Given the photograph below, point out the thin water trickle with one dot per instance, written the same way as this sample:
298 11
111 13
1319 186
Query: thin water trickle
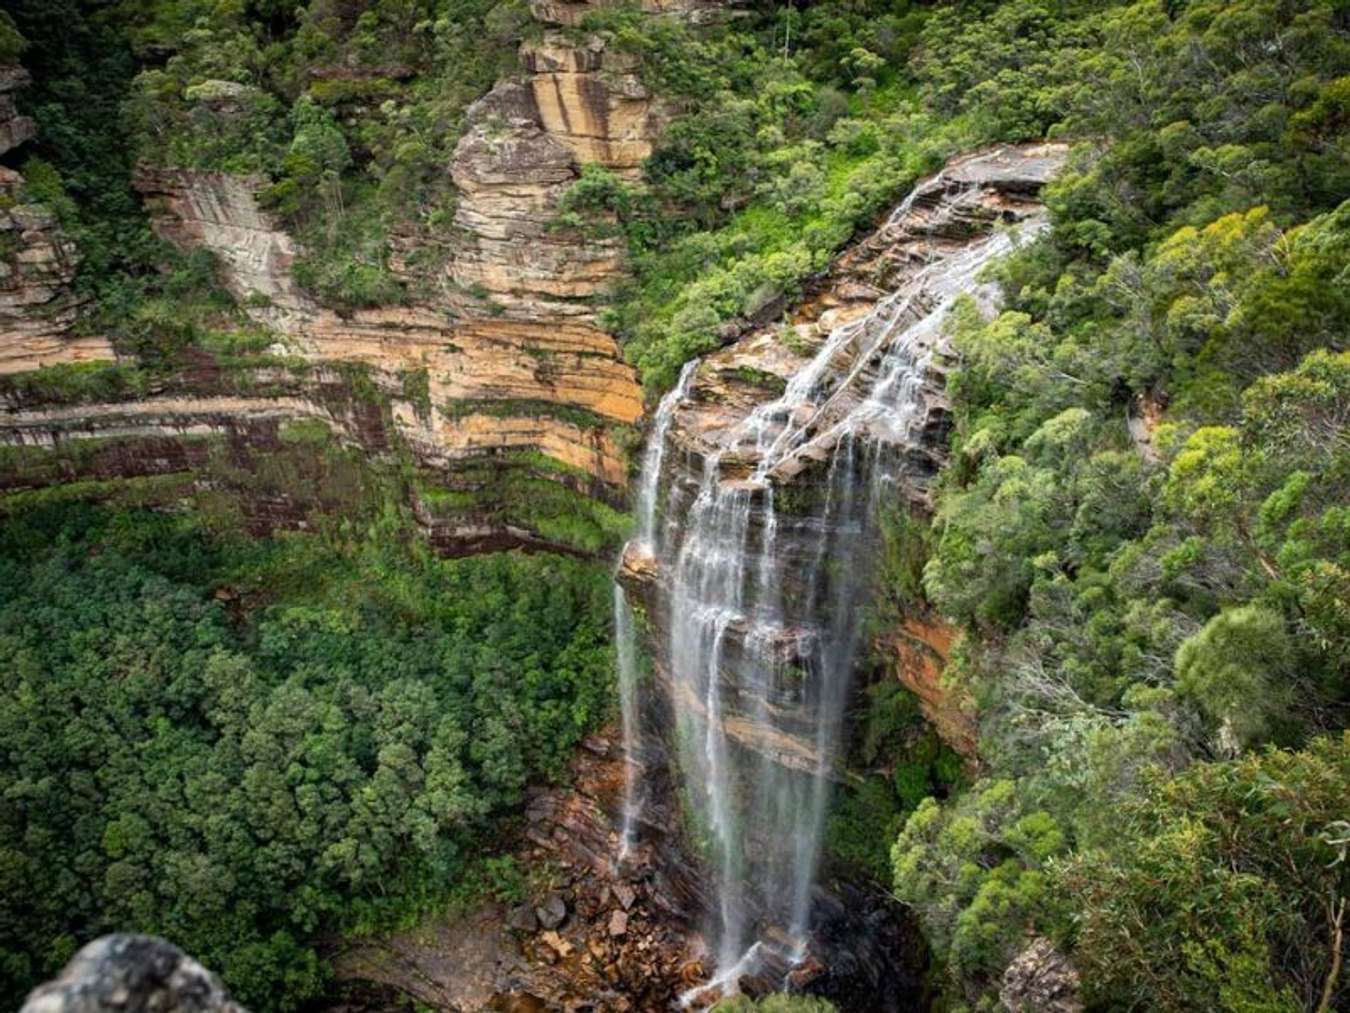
764 598
625 629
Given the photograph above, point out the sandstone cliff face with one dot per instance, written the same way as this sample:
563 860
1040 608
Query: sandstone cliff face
499 356
219 211
512 354
921 647
37 262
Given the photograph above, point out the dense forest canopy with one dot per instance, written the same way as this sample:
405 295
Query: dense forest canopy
245 746
1142 533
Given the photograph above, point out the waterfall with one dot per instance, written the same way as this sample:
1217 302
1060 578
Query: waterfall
765 566
625 629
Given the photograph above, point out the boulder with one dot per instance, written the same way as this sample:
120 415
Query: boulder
131 974
552 912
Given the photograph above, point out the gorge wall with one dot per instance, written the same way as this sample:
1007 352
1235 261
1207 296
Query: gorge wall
38 307
495 365
493 379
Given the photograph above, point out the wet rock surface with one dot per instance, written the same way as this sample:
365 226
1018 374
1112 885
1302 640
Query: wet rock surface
132 974
899 268
781 453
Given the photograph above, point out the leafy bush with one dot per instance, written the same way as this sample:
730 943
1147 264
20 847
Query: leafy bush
1222 888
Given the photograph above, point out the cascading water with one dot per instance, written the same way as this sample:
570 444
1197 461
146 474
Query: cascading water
625 629
763 594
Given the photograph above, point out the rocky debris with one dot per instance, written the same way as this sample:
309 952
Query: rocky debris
1040 979
14 129
628 936
131 974
523 919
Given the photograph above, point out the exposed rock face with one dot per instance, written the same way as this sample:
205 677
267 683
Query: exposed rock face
14 129
945 216
591 100
513 357
132 974
922 646
37 262
219 211
1040 980
37 265
505 349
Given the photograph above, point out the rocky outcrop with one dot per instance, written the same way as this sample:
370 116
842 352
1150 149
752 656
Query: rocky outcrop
590 98
219 211
38 307
512 355
1040 979
14 128
132 974
921 646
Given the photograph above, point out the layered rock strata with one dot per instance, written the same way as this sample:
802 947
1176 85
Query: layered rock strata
500 357
513 356
38 307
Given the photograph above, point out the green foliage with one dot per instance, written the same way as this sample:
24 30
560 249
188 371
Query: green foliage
1221 887
80 167
775 1004
12 42
795 129
1142 529
274 93
1237 670
534 493
864 818
977 872
327 752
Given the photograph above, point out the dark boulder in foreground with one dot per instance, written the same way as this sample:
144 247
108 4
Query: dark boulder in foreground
131 974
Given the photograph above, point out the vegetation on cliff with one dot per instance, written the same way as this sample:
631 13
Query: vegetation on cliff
1143 527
